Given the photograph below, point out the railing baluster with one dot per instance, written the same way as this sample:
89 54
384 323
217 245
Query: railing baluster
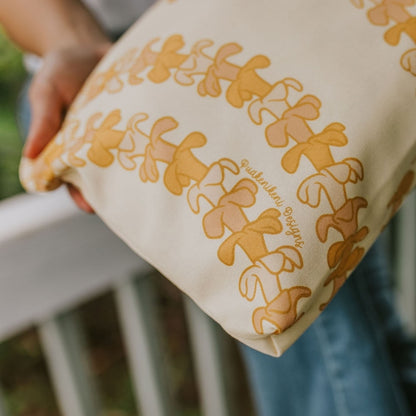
64 346
135 301
204 335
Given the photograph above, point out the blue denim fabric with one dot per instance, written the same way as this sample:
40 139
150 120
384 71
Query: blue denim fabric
344 364
23 110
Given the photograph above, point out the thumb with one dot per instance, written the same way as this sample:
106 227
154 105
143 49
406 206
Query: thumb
47 108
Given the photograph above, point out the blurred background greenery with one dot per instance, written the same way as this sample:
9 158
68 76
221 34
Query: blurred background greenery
12 75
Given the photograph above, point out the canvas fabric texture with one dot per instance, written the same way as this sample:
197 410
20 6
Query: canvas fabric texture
250 151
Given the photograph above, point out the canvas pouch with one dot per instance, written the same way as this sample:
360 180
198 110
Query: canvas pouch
251 151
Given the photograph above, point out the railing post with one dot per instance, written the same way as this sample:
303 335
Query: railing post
204 335
135 300
64 347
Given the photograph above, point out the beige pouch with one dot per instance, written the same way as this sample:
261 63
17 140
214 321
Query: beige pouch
251 151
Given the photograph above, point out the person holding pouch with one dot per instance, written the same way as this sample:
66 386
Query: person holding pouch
354 360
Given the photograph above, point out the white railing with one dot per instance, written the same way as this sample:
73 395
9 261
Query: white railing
52 257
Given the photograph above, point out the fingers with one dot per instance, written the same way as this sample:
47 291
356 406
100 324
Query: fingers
54 88
79 199
104 48
47 114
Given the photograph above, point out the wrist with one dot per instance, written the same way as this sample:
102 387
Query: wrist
59 24
97 48
68 25
72 39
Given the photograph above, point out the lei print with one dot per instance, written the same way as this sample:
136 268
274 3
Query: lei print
396 15
147 152
402 191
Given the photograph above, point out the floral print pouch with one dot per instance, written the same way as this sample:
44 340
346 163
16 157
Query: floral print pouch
252 151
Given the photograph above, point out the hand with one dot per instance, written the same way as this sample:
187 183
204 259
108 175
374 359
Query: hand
52 91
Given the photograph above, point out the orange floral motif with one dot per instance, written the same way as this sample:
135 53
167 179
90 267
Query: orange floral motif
265 272
146 59
344 257
109 80
211 186
133 143
275 102
167 59
72 146
229 213
393 35
358 3
220 69
197 63
281 312
103 138
250 238
316 149
293 123
408 61
331 181
396 11
248 83
184 165
158 149
345 220
386 11
403 189
66 144
47 164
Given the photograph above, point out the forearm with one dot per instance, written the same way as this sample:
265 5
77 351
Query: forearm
42 26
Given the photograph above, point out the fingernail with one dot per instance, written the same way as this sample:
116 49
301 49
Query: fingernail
29 150
26 150
86 207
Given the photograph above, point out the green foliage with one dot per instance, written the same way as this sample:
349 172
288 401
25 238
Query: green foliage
11 68
11 77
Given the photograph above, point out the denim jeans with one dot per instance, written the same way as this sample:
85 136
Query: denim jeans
354 360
